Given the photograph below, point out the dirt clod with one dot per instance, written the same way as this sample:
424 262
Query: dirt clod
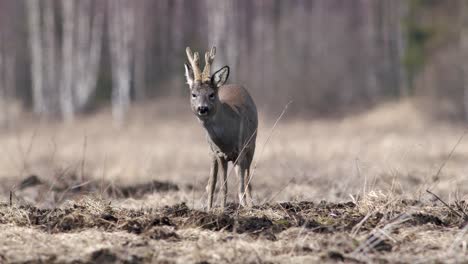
30 181
164 233
335 255
140 190
421 219
66 185
215 222
253 224
103 256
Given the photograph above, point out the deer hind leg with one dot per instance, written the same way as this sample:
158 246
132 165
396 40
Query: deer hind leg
240 171
248 177
248 188
223 163
210 188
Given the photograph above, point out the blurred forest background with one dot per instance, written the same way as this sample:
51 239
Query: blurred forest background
62 59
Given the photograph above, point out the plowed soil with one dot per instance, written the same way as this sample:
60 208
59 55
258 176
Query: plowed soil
90 229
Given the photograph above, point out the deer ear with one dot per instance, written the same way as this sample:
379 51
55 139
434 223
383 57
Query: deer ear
220 77
189 74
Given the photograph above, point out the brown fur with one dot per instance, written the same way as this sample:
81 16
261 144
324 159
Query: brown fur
229 116
237 121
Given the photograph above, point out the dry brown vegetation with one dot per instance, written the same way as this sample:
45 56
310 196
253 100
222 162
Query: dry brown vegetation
351 189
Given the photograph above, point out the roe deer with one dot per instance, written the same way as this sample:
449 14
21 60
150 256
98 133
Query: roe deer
229 116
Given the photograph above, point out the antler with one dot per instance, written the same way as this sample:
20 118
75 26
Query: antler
194 59
209 57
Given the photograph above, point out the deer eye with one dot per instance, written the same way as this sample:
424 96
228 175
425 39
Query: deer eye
194 95
212 96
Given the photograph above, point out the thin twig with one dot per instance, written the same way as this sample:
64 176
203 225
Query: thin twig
264 145
79 185
64 193
25 155
436 176
442 201
461 209
83 157
459 237
103 175
358 171
281 190
237 159
375 238
356 228
371 242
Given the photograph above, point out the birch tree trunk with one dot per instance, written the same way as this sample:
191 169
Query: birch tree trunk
3 116
464 52
401 10
268 47
7 81
81 49
63 80
140 50
218 31
232 37
49 61
36 55
88 52
370 41
121 28
66 87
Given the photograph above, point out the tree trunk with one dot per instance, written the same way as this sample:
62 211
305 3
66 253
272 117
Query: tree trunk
7 80
402 11
35 43
49 60
218 32
88 52
66 87
3 116
81 50
464 52
140 50
121 28
371 50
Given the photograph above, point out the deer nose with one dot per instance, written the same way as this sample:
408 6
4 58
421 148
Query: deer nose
203 110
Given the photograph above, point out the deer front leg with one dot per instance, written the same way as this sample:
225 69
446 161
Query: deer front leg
223 166
210 188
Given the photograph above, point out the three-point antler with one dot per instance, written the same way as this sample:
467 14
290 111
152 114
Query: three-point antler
209 57
194 60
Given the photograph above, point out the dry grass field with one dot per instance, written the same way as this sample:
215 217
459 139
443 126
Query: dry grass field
328 190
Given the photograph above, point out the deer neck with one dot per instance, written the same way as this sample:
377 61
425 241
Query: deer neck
215 126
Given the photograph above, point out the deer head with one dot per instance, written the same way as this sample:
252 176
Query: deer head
204 86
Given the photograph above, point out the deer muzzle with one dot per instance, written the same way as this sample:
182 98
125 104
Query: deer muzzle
203 110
